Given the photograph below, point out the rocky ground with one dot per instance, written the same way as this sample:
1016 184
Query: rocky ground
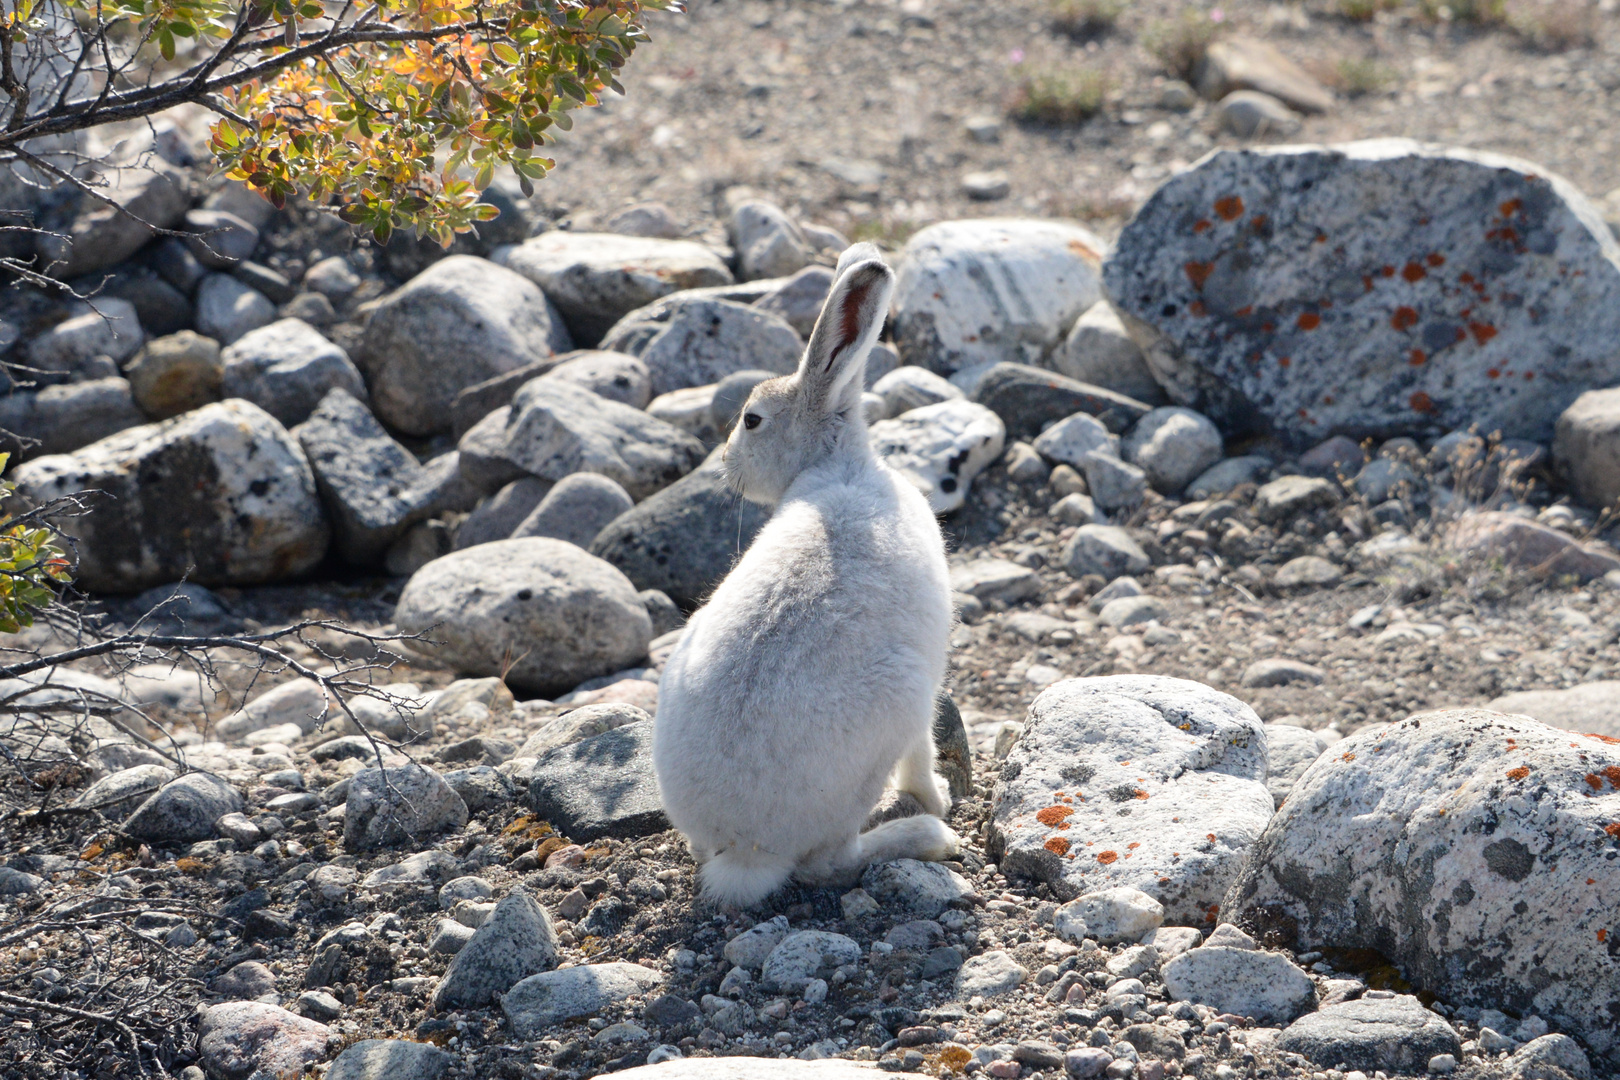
396 815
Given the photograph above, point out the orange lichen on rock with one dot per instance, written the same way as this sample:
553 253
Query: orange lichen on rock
1230 208
1052 815
1404 318
1057 845
1309 320
1520 773
1198 273
1139 793
1107 857
1613 830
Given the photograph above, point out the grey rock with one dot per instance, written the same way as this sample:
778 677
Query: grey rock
767 242
18 882
986 186
1099 351
218 238
175 374
332 277
1588 707
1068 441
297 701
222 495
1107 550
996 579
481 788
1550 1057
1383 479
385 806
540 1003
1267 986
391 1059
461 321
600 786
696 341
991 974
227 308
1307 571
972 293
1128 611
318 1005
652 219
688 410
1173 446
1202 351
111 328
424 870
1280 671
499 516
516 942
941 448
805 955
122 791
919 889
372 487
1245 63
104 231
595 279
907 388
1114 484
750 948
1075 509
1333 458
578 508
1228 475
1289 497
579 724
615 376
565 615
287 368
665 615
799 300
1249 114
241 1039
1289 752
477 401
1528 545
184 810
1396 1035
1113 916
553 429
241 200
953 756
450 937
249 980
1536 853
64 418
1586 446
1028 399
1196 768
683 540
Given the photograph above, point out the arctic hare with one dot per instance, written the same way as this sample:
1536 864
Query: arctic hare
810 676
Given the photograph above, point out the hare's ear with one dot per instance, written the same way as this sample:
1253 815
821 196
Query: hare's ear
849 324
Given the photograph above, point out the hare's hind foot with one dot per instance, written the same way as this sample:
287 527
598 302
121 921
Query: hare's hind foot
914 775
729 880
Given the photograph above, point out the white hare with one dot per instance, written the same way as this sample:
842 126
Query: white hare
810 676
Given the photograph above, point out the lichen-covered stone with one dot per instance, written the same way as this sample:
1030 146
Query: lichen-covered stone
1136 780
1375 288
1476 850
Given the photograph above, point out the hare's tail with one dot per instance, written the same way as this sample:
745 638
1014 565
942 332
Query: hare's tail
728 878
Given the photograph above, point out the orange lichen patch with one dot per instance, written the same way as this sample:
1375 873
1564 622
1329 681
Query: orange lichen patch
1060 794
1421 402
1413 272
1511 207
1591 881
1210 837
1529 375
1309 320
1610 739
1284 361
1229 208
955 1058
1594 781
1347 756
1613 773
1133 845
1268 327
1084 251
1417 358
545 848
1434 258
1520 773
1139 793
1203 225
1257 222
1123 764
1482 332
187 865
1493 373
1246 309
1198 273
1052 815
1197 308
1612 830
1603 935
1404 318
92 852
1107 857
1388 271
1057 845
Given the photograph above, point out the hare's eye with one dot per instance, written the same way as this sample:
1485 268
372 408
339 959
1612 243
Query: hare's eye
751 420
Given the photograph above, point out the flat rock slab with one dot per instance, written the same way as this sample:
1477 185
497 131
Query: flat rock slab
1473 849
1376 288
239 1038
1136 780
1395 1034
601 786
1245 982
539 1003
941 448
391 1059
1591 707
184 810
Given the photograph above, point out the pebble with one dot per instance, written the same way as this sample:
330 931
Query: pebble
992 974
391 1059
918 889
537 1004
804 955
1266 986
517 941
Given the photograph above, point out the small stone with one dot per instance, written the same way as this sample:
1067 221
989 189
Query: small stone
228 309
805 955
1073 509
1172 446
921 890
517 941
385 806
996 580
1114 484
750 948
535 1006
1228 936
576 509
1111 915
1266 986
991 975
319 1005
1395 1034
391 1059
184 810
239 1039
1279 671
1249 114
1130 611
1107 550
175 374
1290 497
986 186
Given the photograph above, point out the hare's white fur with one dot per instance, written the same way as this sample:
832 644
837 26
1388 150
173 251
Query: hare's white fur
809 678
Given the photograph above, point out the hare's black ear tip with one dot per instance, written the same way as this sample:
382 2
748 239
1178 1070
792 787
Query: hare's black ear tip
859 255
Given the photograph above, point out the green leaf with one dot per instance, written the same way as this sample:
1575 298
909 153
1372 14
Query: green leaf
505 52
